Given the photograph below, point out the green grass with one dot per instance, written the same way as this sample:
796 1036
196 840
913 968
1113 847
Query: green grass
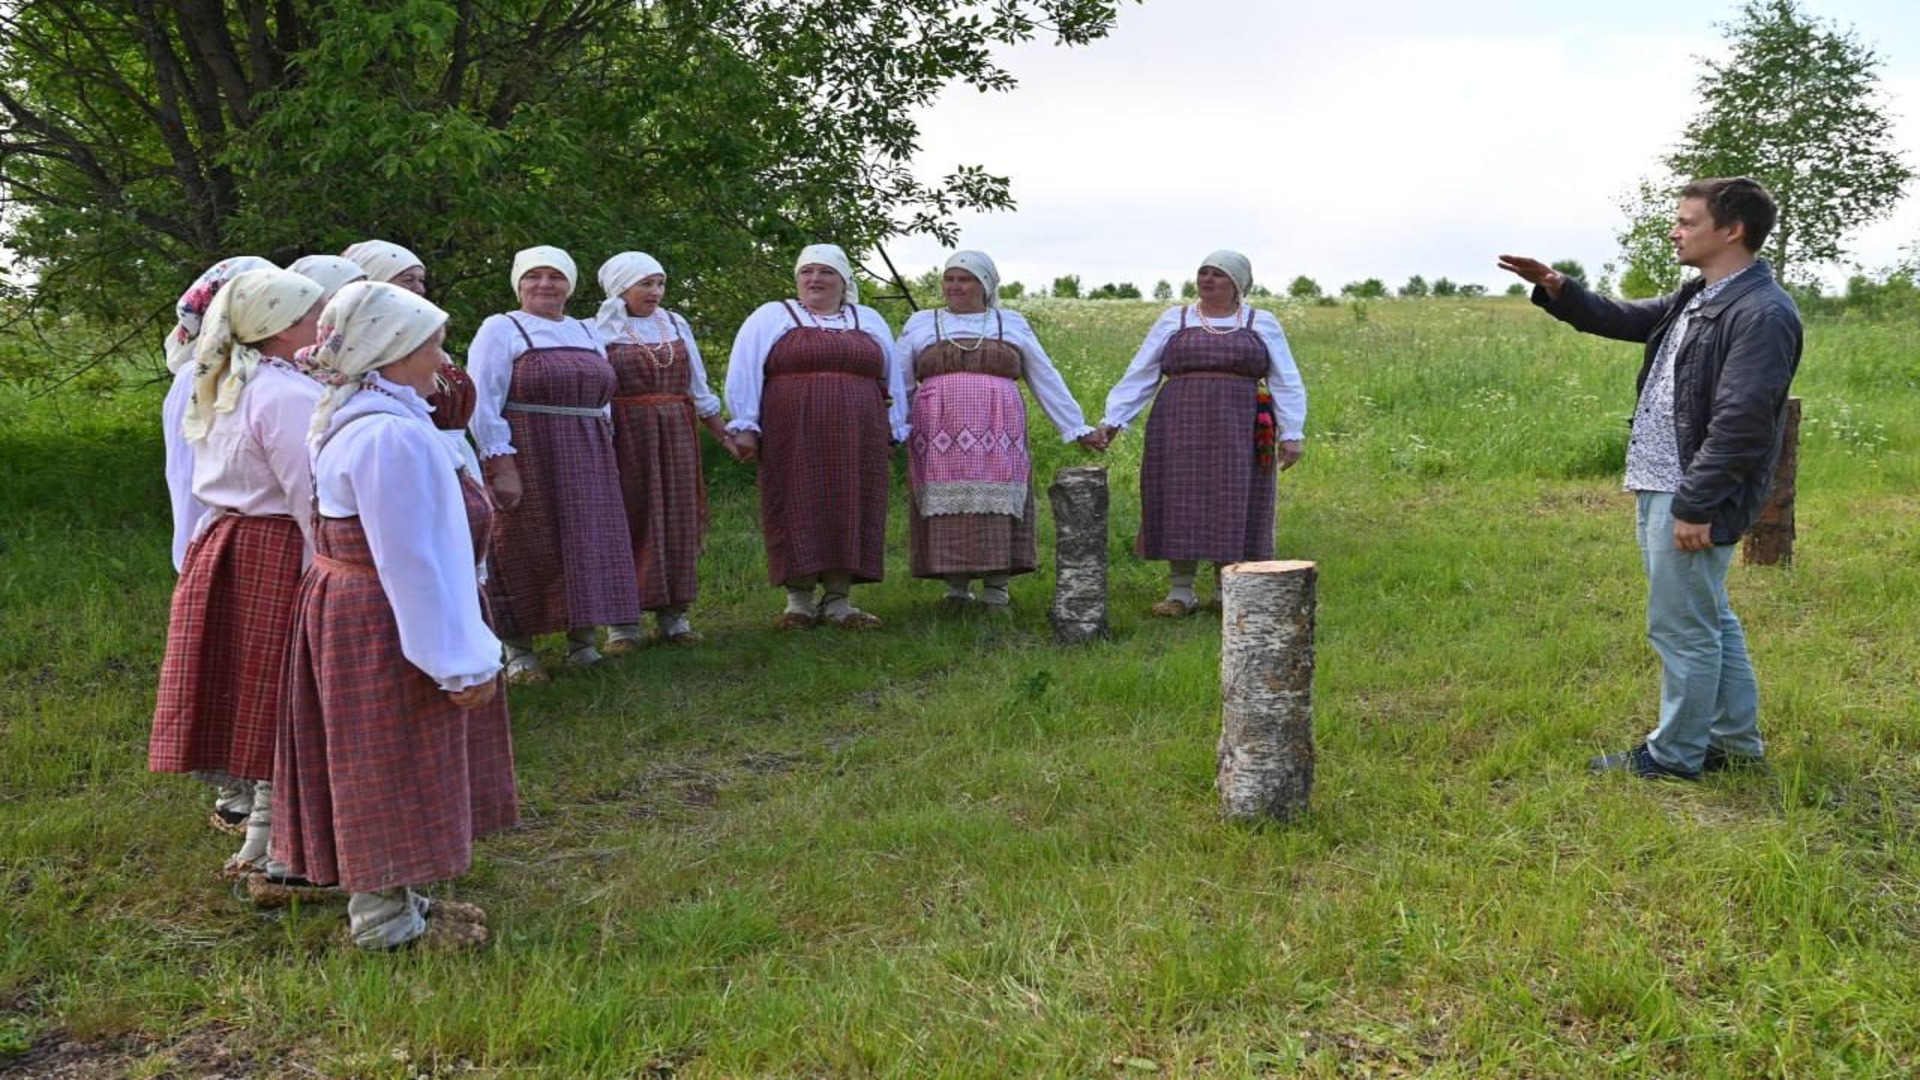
953 849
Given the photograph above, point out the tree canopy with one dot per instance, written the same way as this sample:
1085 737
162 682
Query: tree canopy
141 140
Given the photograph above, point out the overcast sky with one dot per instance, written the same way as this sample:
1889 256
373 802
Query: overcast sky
1353 140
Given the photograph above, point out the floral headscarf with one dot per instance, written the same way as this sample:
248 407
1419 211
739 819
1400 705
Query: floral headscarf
366 326
251 307
193 304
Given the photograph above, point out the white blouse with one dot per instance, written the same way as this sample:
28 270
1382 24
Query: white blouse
490 366
1142 379
647 332
187 510
254 459
1049 389
393 471
747 369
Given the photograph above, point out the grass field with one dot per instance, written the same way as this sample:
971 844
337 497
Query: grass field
952 849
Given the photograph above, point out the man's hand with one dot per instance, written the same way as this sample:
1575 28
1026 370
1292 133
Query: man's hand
474 696
1690 537
503 479
1289 455
1534 272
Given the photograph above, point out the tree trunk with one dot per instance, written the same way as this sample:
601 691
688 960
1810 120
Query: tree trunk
1770 541
1079 498
1266 689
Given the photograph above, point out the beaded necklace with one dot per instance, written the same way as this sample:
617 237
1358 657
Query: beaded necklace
1233 322
661 355
819 321
979 337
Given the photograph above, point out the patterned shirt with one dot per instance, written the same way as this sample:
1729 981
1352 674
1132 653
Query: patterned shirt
1653 451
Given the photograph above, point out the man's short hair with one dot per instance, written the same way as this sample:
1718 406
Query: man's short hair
1737 198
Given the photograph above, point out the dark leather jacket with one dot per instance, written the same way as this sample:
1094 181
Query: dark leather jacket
1730 381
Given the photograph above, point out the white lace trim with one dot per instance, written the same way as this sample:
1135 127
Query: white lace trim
976 497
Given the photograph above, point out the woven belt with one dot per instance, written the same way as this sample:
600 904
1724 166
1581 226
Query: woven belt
551 410
337 566
653 399
824 375
1214 375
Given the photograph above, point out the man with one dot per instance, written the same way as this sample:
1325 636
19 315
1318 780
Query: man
1720 355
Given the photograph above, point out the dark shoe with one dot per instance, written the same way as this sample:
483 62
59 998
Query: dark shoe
1718 760
1638 761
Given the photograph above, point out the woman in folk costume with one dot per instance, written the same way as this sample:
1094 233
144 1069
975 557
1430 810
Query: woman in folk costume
1208 470
222 678
562 559
453 396
188 312
968 461
815 397
394 750
661 402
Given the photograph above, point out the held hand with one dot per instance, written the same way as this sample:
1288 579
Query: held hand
1690 537
1289 454
474 696
1093 441
503 479
746 446
1534 272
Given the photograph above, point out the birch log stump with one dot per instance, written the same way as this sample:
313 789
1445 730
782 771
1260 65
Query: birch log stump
1079 498
1266 689
1770 541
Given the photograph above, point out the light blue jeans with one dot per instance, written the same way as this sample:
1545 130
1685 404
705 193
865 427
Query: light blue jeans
1708 695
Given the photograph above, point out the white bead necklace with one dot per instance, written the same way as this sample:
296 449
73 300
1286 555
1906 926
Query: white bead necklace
661 355
1233 322
979 334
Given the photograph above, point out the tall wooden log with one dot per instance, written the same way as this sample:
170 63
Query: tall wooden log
1079 498
1770 541
1266 689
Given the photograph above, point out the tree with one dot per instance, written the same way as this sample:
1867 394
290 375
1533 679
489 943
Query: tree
1646 248
1371 289
1573 269
1445 287
1067 287
1516 289
1257 291
1415 288
1163 290
1304 288
1471 290
1189 290
1797 106
1126 290
142 139
1012 290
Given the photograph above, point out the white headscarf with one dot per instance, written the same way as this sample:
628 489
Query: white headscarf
251 308
193 304
617 275
367 326
383 261
1234 265
830 255
981 267
330 272
533 258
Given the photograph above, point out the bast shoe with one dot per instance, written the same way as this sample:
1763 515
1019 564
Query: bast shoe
1173 609
231 822
1639 762
1718 760
270 891
526 671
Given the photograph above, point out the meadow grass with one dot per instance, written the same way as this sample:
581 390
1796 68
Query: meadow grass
953 849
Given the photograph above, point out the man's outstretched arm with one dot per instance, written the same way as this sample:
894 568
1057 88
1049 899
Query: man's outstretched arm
1567 300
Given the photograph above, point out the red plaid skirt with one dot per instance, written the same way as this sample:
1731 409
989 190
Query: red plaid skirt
823 455
973 544
1203 493
224 673
563 557
380 781
657 440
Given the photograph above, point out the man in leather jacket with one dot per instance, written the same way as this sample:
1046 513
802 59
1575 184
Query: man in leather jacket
1720 355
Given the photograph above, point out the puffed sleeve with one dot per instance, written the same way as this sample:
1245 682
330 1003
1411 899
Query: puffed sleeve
1049 389
747 366
410 505
490 366
917 334
874 324
280 420
1137 386
1283 378
705 402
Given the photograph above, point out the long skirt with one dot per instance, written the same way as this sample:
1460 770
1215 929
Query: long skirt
1203 494
823 476
661 486
381 781
224 672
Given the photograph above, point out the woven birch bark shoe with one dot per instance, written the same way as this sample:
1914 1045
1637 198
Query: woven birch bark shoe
526 671
1173 609
267 891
